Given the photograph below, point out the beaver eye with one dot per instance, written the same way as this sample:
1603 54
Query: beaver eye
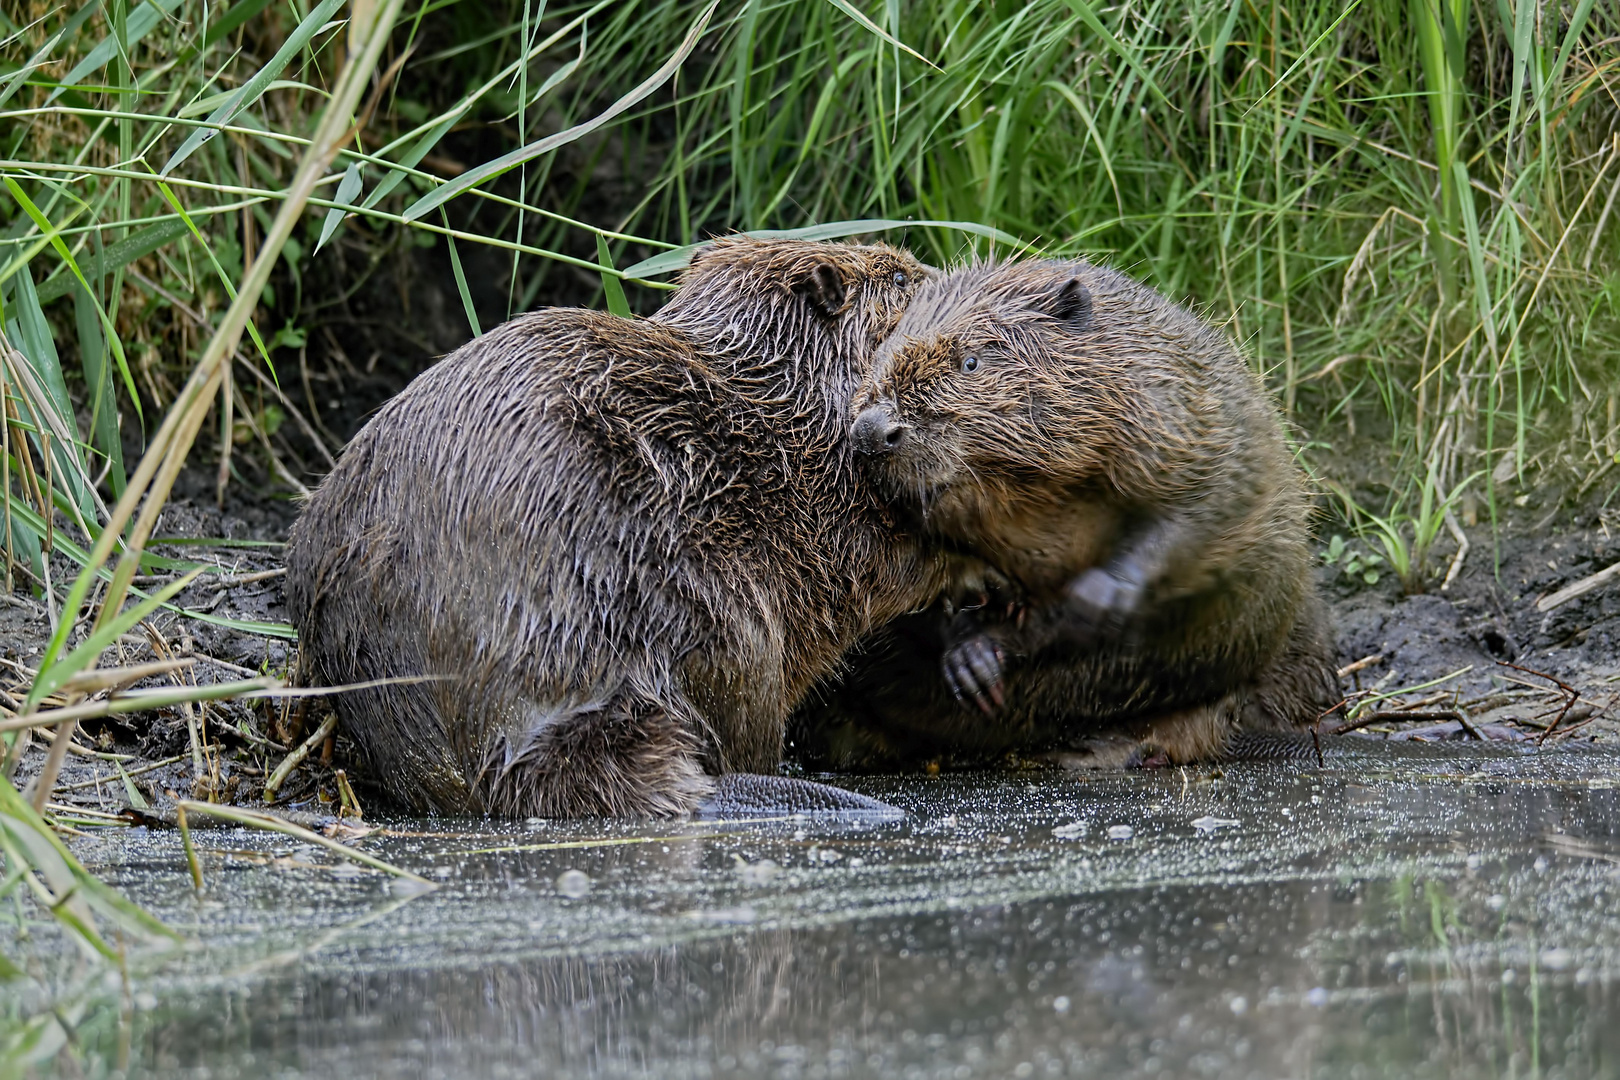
900 279
970 364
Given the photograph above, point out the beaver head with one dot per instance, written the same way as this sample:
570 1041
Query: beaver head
794 304
989 389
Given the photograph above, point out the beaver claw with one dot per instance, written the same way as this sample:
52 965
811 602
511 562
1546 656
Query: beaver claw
741 795
1101 602
973 670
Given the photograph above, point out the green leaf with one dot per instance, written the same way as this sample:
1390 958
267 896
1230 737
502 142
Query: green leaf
347 189
219 271
1370 577
461 282
131 792
612 287
9 84
136 245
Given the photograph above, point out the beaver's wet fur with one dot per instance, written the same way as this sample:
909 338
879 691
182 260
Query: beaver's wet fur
614 552
1116 459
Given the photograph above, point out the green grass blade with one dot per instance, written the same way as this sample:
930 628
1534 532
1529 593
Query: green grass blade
136 245
507 162
667 262
250 91
1089 17
461 282
53 672
612 288
141 22
871 27
113 337
348 188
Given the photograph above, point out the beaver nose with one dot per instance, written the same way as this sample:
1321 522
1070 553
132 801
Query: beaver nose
876 431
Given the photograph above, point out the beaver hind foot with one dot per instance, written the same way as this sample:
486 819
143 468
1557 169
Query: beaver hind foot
631 758
625 757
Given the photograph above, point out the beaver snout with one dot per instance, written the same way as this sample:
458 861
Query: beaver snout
876 431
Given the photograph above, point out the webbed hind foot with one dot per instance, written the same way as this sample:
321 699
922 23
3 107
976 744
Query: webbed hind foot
741 795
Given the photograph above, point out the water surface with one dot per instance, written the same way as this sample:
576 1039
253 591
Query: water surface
1443 913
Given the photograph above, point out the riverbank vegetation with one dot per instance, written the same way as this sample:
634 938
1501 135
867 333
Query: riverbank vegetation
226 228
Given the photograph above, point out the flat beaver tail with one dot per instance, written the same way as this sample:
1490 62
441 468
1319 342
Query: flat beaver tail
628 757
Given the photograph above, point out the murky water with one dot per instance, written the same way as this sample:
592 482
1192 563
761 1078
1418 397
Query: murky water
1449 913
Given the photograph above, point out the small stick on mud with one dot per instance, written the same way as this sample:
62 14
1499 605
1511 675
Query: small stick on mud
1462 551
1573 693
296 758
1350 669
1570 592
98 679
257 820
1397 716
82 784
1316 740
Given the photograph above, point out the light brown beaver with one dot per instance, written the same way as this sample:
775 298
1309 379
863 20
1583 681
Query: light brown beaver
1114 457
621 550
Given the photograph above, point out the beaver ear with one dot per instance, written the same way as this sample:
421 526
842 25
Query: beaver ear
1070 304
824 287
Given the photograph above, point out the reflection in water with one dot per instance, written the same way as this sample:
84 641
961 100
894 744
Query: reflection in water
1292 979
1439 921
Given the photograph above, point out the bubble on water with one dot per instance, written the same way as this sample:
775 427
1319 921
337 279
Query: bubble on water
1474 862
740 915
1120 832
1070 831
410 887
1060 1004
1496 901
1240 1005
573 884
1317 996
757 873
1556 959
1209 823
1509 977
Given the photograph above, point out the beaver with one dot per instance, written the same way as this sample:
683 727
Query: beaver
1114 458
601 558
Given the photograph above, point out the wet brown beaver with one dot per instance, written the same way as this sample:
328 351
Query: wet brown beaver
1114 457
620 550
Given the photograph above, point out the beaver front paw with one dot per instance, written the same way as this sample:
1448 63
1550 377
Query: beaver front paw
972 669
